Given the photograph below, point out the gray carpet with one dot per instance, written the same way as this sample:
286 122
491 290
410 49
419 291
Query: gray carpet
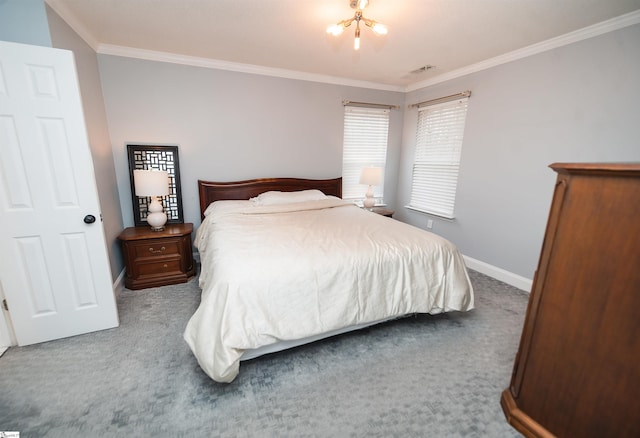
423 376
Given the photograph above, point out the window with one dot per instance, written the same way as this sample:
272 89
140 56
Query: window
437 157
366 132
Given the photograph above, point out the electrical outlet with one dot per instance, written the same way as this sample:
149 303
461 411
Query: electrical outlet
430 223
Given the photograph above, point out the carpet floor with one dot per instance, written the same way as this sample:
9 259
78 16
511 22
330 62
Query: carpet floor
421 376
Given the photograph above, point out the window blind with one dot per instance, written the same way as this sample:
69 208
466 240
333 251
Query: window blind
437 157
366 132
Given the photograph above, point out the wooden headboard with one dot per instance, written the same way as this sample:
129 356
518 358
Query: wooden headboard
210 191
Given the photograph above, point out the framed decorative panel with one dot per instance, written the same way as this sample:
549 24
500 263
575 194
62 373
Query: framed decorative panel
156 157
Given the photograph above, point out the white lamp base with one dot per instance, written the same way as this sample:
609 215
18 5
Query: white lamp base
369 201
156 217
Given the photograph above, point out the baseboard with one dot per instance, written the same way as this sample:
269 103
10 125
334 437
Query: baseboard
510 278
118 285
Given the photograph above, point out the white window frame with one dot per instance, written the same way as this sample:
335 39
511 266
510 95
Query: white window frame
438 151
365 141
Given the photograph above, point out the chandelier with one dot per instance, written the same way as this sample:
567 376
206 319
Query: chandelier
358 5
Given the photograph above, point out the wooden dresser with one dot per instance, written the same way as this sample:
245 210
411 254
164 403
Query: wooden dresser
157 258
577 370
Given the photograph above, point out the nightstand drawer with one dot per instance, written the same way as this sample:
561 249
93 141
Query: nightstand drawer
158 248
164 267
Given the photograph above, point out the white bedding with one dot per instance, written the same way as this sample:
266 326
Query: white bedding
291 271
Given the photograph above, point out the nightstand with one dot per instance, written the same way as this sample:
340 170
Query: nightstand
383 211
157 258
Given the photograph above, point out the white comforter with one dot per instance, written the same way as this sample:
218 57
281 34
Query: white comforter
287 272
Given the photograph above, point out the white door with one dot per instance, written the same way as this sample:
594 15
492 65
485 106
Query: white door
54 270
5 330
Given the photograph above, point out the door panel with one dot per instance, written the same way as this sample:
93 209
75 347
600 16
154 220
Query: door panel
54 267
32 268
58 163
78 255
13 171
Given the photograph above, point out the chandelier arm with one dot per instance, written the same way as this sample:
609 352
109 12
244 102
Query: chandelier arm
346 23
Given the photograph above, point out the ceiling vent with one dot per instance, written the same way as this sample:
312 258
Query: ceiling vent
422 69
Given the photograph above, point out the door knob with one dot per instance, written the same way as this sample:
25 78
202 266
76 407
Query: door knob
89 219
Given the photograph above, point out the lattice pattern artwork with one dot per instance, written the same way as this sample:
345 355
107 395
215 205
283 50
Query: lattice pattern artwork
156 158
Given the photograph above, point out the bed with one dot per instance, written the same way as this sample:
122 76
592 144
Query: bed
285 261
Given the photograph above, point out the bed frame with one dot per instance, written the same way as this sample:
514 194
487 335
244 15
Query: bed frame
210 191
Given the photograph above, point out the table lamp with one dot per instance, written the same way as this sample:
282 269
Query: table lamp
372 176
154 184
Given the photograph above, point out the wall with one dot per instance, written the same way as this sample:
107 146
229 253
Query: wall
231 126
576 103
63 37
32 22
24 21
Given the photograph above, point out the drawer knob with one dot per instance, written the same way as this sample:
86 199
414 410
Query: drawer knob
164 266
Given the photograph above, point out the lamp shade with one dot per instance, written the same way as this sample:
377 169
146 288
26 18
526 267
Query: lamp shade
151 182
371 176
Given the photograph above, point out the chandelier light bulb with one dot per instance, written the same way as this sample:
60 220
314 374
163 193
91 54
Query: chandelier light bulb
380 29
335 29
356 42
358 5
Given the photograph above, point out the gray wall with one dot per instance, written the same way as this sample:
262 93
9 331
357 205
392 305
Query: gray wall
232 126
24 21
576 103
63 37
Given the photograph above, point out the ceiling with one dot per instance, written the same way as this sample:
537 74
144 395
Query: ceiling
289 35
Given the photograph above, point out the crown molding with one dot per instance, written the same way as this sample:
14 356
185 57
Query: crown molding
597 29
151 55
107 49
572 37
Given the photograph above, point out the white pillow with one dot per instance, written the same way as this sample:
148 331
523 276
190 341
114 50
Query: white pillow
226 205
275 198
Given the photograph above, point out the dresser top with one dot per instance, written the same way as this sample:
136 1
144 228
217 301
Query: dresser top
610 168
142 233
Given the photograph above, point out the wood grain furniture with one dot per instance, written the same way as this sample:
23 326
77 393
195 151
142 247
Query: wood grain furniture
280 274
210 191
577 370
157 258
383 211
